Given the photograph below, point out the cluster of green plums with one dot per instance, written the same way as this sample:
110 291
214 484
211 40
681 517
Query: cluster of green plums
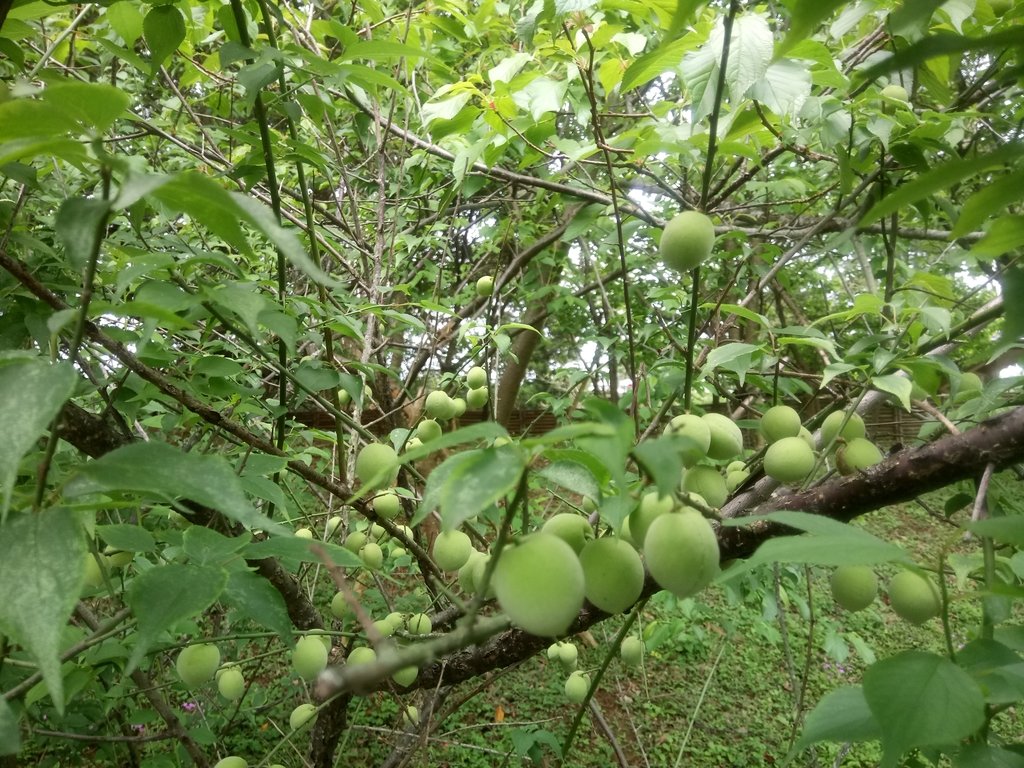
913 596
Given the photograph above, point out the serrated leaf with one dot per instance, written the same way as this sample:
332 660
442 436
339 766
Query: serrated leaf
126 19
1006 530
164 30
293 549
79 227
484 430
10 734
921 700
32 393
998 669
940 178
93 106
992 198
664 58
164 472
205 546
842 715
468 483
127 538
166 594
805 18
939 44
42 559
662 457
784 88
573 476
254 598
1004 235
898 386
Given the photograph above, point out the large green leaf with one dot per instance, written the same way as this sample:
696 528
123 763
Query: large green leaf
10 735
42 568
161 471
167 594
468 483
940 178
662 59
32 392
920 699
164 30
79 225
842 715
254 598
805 16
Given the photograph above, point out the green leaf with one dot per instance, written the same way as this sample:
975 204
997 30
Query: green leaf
1012 281
162 471
205 546
898 386
573 476
992 198
468 483
32 393
126 20
485 430
939 44
1005 530
938 179
10 734
127 538
998 669
842 715
804 20
662 458
167 594
42 569
79 226
651 65
254 598
1004 235
987 756
920 699
164 30
93 106
736 357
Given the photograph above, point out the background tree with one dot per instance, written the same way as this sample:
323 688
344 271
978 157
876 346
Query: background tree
242 241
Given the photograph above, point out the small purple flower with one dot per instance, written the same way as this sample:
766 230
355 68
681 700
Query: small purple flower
189 706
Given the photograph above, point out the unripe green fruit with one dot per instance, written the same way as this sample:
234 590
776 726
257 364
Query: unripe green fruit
377 532
419 624
396 619
410 716
355 541
858 454
735 479
304 533
196 664
467 572
340 608
476 377
708 482
384 628
553 650
405 676
372 556
788 460
571 528
333 525
479 570
309 657
626 534
117 558
344 398
568 655
969 387
458 407
428 430
651 507
613 574
397 552
361 655
805 435
726 437
854 587
694 428
588 504
231 761
631 651
438 405
412 443
485 286
778 422
539 584
387 505
687 240
830 428
377 465
894 92
452 550
301 715
477 398
93 571
682 552
914 597
576 687
231 683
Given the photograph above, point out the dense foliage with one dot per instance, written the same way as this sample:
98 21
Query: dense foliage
241 241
